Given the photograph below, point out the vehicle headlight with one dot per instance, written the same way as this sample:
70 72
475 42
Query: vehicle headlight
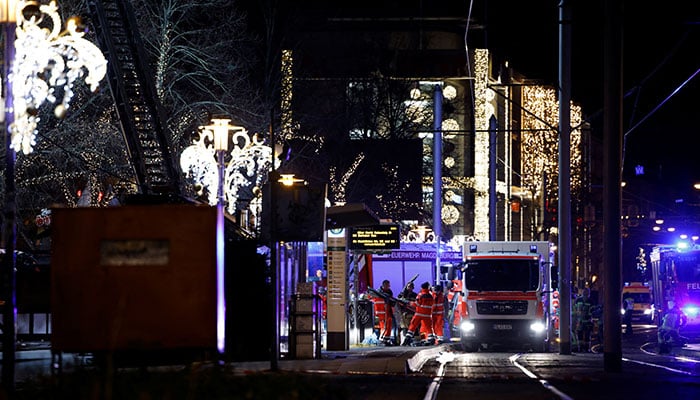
690 310
538 327
466 326
622 311
647 311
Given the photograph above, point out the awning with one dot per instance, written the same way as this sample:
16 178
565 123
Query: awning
353 214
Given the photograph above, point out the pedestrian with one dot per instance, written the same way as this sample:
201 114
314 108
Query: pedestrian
408 294
423 316
669 331
383 310
438 314
583 321
628 307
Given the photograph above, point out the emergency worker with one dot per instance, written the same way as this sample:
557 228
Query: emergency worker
438 314
669 331
583 320
456 307
628 306
383 310
407 311
422 317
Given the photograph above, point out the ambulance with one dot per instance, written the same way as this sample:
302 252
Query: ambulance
641 294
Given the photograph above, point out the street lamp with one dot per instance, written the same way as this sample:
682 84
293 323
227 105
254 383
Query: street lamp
220 128
249 162
205 162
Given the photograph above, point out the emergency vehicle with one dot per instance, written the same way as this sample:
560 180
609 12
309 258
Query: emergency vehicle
506 292
676 277
641 295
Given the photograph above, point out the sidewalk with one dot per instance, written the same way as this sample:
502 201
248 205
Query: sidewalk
394 360
367 359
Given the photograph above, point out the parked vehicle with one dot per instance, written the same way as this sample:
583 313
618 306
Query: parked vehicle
641 294
506 291
676 278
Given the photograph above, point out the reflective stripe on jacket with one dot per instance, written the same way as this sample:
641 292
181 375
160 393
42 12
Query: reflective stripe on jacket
439 304
424 303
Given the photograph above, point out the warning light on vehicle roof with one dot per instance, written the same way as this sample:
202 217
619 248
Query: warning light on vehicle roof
533 248
682 245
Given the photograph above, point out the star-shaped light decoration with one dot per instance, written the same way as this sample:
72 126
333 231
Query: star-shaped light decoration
47 63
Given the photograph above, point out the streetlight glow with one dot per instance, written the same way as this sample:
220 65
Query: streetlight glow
288 179
220 128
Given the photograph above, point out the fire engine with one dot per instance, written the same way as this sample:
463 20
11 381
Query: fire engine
676 277
506 293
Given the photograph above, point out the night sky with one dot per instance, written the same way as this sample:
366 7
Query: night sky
661 55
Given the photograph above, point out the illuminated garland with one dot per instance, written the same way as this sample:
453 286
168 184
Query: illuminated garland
540 142
47 64
339 186
250 161
482 113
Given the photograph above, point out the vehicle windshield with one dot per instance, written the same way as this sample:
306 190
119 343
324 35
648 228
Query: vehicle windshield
502 275
638 297
688 267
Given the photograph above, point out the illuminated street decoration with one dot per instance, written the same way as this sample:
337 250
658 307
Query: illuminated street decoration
483 110
340 184
540 142
288 127
449 127
47 63
249 162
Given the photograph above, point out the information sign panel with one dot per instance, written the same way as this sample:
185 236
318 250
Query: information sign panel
375 237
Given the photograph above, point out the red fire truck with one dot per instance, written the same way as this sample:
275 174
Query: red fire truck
505 296
676 277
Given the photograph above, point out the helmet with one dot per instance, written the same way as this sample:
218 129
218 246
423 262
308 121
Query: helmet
437 288
425 285
671 304
410 285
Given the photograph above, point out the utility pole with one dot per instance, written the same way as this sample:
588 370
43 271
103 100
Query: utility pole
564 208
612 197
437 176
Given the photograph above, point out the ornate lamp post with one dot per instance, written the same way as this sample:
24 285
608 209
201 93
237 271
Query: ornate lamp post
220 128
249 162
40 62
205 162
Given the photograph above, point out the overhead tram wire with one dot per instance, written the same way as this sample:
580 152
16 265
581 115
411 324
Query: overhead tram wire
654 110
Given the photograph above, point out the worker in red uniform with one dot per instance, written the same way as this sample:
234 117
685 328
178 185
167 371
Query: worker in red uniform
422 317
383 310
438 314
